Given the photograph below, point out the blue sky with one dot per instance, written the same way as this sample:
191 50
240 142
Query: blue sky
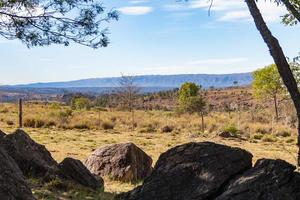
157 37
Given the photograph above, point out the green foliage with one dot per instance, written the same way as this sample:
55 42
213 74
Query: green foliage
195 104
231 129
80 103
42 23
188 99
267 82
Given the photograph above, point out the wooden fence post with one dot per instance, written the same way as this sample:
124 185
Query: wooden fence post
20 114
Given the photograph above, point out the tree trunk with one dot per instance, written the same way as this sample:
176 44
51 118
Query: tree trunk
279 59
292 9
276 107
202 122
20 113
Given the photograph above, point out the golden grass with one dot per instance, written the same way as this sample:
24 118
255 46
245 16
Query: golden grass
79 143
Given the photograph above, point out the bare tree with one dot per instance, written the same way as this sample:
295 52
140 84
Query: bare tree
128 91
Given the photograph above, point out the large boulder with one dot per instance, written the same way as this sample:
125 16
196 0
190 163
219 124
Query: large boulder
33 159
124 162
73 169
2 134
12 183
268 179
192 171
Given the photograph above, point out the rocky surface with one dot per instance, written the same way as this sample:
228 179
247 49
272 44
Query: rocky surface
124 162
32 158
192 171
12 183
73 169
267 180
2 134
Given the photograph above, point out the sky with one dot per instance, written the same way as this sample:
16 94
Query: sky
157 37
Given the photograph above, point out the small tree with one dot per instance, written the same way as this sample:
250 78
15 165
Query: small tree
190 101
267 84
80 103
196 104
128 92
186 91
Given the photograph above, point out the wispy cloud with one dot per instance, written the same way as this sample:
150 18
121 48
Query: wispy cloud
138 1
231 10
135 10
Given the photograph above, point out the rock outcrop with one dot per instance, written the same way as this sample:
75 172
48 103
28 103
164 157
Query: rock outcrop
73 169
192 171
268 179
12 183
32 158
124 162
2 134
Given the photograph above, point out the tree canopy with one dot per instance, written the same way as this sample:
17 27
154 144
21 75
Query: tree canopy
46 22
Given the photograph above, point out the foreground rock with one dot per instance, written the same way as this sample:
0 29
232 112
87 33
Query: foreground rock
12 183
192 171
268 179
74 170
32 158
124 162
2 134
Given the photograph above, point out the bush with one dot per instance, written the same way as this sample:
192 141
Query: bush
29 122
283 133
258 136
39 123
9 122
167 129
231 129
107 125
148 128
269 138
82 125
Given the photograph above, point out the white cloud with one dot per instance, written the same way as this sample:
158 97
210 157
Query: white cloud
231 10
138 1
135 10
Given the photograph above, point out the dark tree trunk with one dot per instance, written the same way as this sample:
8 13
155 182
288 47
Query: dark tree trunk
276 107
279 59
292 9
202 122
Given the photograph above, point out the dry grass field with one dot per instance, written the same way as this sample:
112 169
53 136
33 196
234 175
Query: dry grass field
71 133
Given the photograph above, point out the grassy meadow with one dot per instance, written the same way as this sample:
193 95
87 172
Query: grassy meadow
76 133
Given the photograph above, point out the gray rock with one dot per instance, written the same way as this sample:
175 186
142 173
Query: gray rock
73 169
193 171
267 180
123 162
32 158
12 183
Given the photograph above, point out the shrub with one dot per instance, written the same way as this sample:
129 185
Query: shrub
258 136
148 128
29 122
167 129
82 125
107 125
9 122
231 129
39 123
269 138
113 119
283 133
50 124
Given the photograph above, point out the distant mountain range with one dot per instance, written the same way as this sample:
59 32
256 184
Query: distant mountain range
155 81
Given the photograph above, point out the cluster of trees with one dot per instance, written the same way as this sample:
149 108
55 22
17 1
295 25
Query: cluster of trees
267 84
